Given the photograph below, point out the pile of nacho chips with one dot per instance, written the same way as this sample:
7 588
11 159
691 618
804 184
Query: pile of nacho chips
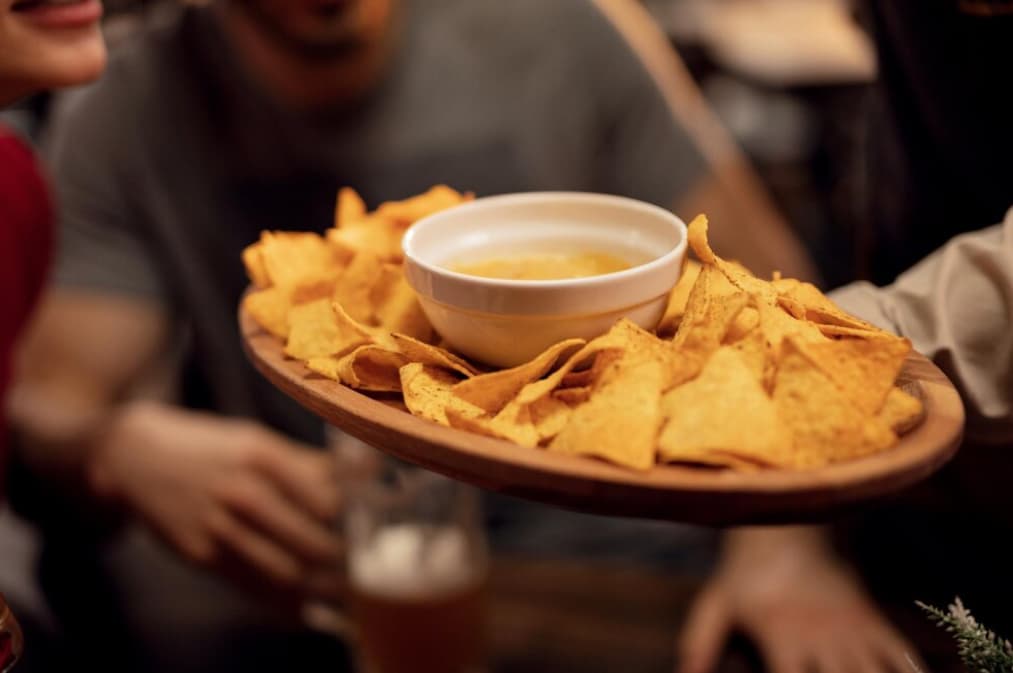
741 372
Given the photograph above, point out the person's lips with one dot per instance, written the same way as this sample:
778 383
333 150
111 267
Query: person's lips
59 13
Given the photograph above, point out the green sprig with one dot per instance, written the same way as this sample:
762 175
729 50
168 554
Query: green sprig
981 650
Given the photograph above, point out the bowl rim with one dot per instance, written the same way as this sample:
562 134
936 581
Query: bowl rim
645 268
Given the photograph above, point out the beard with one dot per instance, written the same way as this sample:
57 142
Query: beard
330 33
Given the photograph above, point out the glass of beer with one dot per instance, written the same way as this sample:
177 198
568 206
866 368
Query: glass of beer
417 568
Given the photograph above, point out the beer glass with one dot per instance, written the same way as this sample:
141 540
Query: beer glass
417 568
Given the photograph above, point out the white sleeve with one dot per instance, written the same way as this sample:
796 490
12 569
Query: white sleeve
956 306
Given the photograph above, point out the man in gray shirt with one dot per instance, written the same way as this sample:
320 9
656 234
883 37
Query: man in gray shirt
247 115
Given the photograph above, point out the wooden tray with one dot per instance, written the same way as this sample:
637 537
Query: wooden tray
672 492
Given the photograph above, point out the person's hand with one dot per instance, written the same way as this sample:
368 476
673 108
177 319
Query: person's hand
226 493
802 608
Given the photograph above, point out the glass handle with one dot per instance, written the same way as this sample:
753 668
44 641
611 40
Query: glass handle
11 640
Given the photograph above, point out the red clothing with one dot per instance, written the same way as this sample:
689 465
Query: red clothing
26 237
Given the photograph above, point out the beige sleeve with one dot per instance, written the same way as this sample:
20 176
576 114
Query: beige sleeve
956 306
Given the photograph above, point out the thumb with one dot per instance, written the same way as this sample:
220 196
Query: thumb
704 633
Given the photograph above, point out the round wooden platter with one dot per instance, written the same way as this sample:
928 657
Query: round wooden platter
672 492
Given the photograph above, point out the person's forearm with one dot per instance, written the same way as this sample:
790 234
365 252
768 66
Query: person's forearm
750 544
955 306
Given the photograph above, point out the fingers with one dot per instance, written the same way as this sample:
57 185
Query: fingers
255 550
257 504
785 655
704 633
897 653
307 477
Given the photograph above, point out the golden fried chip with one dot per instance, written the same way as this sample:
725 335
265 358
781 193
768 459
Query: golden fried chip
513 423
269 308
317 285
621 420
377 235
415 208
288 256
572 396
758 355
397 307
745 322
349 207
354 287
255 269
549 416
698 415
826 426
326 366
494 390
427 354
677 299
856 332
864 369
313 331
373 368
738 275
708 318
624 337
901 412
777 325
817 306
427 393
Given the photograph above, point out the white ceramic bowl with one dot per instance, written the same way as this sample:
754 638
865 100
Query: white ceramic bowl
506 322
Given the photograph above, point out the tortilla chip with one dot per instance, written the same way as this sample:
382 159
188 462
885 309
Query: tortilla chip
288 256
377 235
372 368
698 414
313 331
269 308
415 208
777 325
427 354
513 423
826 426
901 412
494 390
677 299
572 396
745 322
758 355
620 422
549 416
708 318
317 285
864 369
611 345
349 207
817 307
353 289
736 274
397 307
326 366
255 269
427 393
831 331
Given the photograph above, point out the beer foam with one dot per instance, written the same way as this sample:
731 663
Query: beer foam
412 560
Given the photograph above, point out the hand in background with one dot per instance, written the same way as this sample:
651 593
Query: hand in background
805 611
226 493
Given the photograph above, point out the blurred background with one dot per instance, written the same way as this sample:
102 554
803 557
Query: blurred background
788 82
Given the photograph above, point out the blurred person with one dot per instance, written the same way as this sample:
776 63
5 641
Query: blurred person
245 115
939 152
42 45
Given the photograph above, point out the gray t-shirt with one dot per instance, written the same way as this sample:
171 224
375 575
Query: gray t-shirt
175 160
